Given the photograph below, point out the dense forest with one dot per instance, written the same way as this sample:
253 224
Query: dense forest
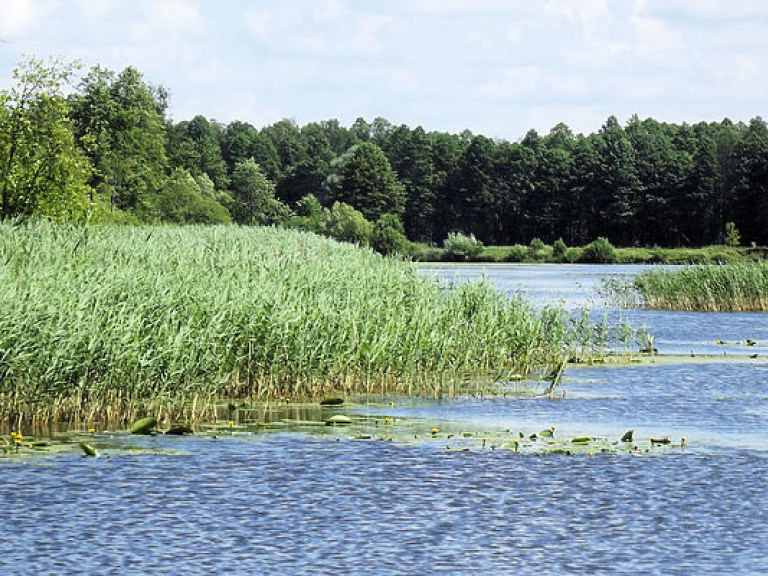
99 145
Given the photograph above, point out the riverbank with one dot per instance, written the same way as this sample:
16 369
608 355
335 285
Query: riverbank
632 255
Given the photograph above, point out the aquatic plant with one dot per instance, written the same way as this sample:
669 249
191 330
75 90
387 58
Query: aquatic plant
106 323
737 287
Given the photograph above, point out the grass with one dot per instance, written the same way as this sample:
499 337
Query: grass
110 323
741 287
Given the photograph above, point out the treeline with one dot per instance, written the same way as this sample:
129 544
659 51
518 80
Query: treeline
100 145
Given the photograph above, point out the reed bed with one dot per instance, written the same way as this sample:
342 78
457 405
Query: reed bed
741 287
108 323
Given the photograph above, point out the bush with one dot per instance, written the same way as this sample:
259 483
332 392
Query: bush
349 225
517 253
599 251
389 236
559 251
462 247
536 250
732 236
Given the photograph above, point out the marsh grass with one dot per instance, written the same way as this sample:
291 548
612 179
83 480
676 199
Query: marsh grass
741 287
111 323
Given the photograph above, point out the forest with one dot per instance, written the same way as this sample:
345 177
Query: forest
99 145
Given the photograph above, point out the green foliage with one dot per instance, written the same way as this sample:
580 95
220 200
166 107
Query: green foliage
195 145
536 250
348 225
41 170
368 183
120 126
714 288
643 184
517 253
142 316
599 251
559 251
732 236
459 246
389 237
253 197
309 215
182 201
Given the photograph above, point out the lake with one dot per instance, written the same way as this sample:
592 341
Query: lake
288 503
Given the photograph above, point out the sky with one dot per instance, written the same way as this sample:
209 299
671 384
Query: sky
494 67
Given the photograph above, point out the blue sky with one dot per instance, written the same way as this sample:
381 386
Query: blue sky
496 67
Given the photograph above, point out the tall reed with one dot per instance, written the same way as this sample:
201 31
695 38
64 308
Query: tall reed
738 287
99 321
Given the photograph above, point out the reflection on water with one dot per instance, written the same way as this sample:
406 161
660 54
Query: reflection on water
283 503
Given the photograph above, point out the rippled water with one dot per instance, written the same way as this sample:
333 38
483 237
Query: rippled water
295 504
289 505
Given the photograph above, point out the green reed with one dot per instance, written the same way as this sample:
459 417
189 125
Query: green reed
99 322
738 287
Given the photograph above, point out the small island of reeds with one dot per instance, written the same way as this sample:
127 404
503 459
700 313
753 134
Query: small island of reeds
740 287
110 322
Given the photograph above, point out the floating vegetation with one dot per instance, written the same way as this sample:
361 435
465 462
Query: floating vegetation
338 420
89 450
144 426
350 425
115 323
332 401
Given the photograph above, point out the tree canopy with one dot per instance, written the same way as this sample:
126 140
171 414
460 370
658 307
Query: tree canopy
98 144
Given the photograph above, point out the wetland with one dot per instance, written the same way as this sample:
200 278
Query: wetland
445 484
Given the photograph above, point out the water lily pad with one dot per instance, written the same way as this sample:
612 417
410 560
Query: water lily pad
338 420
331 401
144 426
89 450
179 430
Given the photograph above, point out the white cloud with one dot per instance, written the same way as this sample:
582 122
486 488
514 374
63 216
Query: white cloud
174 16
495 66
18 16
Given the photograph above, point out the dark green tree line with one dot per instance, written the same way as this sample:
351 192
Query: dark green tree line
108 150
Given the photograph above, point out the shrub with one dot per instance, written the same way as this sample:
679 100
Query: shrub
536 249
389 237
732 236
517 253
599 251
349 225
459 246
559 251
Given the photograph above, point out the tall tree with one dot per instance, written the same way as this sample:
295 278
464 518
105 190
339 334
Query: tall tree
241 141
120 124
311 168
254 196
470 196
616 186
661 172
410 155
514 170
196 145
369 184
751 192
41 170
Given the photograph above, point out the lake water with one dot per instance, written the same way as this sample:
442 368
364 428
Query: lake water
287 503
